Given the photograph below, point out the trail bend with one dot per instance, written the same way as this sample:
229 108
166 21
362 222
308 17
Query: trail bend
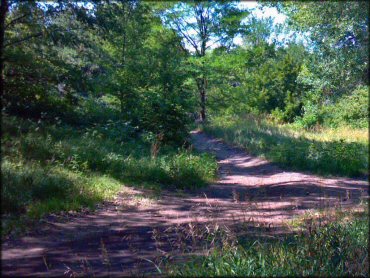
126 238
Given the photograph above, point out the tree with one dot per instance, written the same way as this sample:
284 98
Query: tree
141 64
3 11
123 28
339 36
48 57
203 25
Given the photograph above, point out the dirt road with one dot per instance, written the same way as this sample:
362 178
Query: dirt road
130 237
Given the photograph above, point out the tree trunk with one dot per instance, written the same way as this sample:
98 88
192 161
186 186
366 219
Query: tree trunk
3 11
203 81
202 93
122 104
123 57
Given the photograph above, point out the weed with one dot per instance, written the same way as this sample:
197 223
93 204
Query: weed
341 151
335 248
48 168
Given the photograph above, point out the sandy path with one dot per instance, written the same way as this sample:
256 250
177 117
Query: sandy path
117 239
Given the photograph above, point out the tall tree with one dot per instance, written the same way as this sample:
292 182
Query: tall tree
45 51
3 11
202 26
123 27
339 35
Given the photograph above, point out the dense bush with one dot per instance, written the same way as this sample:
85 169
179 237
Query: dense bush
312 116
352 109
261 79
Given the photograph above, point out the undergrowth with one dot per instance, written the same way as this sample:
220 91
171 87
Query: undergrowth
55 167
342 151
335 248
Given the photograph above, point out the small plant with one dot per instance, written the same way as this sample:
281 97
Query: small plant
327 151
59 168
335 248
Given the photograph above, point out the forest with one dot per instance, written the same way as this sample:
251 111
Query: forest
184 138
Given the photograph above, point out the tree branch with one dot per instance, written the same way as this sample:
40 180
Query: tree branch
214 42
24 39
187 37
16 19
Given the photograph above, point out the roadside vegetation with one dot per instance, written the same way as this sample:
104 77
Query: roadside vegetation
341 151
100 95
53 167
323 244
303 107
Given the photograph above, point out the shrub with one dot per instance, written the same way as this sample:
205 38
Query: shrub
312 116
350 110
49 168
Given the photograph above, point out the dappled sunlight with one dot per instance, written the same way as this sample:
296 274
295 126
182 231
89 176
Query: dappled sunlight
251 194
102 175
335 152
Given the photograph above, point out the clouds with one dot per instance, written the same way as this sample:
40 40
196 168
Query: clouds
262 12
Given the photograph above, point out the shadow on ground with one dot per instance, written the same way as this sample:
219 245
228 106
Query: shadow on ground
252 196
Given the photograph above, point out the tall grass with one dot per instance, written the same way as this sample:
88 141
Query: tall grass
337 248
342 151
54 167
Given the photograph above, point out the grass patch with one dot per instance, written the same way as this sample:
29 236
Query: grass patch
335 248
342 151
54 167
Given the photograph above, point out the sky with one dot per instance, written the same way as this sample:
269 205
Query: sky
256 11
278 18
265 12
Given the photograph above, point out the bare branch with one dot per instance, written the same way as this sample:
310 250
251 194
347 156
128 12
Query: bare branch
214 42
187 37
190 24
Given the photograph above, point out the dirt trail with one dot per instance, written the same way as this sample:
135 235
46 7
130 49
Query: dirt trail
121 237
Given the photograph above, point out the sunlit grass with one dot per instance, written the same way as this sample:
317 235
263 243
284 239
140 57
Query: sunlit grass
51 168
30 191
342 151
334 244
345 133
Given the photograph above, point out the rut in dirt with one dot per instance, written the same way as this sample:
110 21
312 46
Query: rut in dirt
121 239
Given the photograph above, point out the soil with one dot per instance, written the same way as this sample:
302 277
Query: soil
129 236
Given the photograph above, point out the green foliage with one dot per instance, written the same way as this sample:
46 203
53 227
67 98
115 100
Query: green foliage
291 111
149 78
258 79
333 75
49 168
34 189
352 109
46 71
119 50
335 156
287 81
220 20
209 22
339 248
312 116
130 52
103 95
339 38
